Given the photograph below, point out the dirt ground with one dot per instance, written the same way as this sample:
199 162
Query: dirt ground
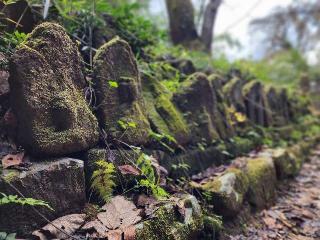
296 213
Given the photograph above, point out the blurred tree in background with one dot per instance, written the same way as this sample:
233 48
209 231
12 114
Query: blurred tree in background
183 26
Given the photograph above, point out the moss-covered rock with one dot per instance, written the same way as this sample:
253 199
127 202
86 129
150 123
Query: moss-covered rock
59 182
286 164
121 110
262 181
222 118
169 224
278 103
198 102
46 84
163 115
257 109
185 66
228 191
233 94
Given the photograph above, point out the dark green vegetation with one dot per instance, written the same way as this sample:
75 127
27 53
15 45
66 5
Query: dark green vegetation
145 124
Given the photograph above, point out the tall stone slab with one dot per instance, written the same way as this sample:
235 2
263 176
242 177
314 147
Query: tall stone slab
121 109
46 83
196 100
257 108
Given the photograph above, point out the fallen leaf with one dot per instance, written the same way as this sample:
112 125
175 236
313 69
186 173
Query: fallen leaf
129 170
130 233
114 235
119 213
95 227
270 222
12 160
61 228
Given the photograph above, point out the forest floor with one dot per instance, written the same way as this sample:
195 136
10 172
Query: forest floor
296 213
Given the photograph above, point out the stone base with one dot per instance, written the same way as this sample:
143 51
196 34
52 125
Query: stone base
60 183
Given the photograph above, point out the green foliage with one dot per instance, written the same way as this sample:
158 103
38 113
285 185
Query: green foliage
113 84
164 140
169 75
103 179
125 125
181 166
7 236
9 41
150 181
283 68
82 17
13 199
138 31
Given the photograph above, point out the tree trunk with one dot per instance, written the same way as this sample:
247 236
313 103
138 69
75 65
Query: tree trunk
181 18
208 23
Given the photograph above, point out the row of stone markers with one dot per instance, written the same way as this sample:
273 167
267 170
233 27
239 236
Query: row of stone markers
55 122
47 83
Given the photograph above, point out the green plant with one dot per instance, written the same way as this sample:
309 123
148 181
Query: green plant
83 17
103 179
7 236
9 41
150 181
13 199
164 140
125 125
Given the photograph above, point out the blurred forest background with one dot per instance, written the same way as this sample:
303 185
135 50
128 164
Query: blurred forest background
274 42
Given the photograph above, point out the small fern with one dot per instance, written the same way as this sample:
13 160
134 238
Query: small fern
102 179
150 181
14 199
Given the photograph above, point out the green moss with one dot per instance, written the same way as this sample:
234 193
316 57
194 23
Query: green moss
10 176
167 226
262 181
46 87
162 112
248 87
228 87
115 62
227 191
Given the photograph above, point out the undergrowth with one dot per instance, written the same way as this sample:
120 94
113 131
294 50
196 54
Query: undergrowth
103 179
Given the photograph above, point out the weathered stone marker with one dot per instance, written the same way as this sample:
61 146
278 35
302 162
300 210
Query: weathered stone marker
163 115
121 109
46 83
257 108
199 103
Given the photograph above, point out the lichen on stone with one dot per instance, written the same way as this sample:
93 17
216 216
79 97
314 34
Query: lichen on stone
163 114
262 181
228 191
46 83
118 87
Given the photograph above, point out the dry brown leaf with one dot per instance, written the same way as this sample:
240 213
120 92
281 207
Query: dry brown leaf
270 222
114 235
12 160
100 231
67 226
119 213
130 233
129 170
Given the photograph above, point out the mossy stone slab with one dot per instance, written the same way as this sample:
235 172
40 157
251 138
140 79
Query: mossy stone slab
262 181
121 109
46 84
228 191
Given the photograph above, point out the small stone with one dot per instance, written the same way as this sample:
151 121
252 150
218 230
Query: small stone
228 191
